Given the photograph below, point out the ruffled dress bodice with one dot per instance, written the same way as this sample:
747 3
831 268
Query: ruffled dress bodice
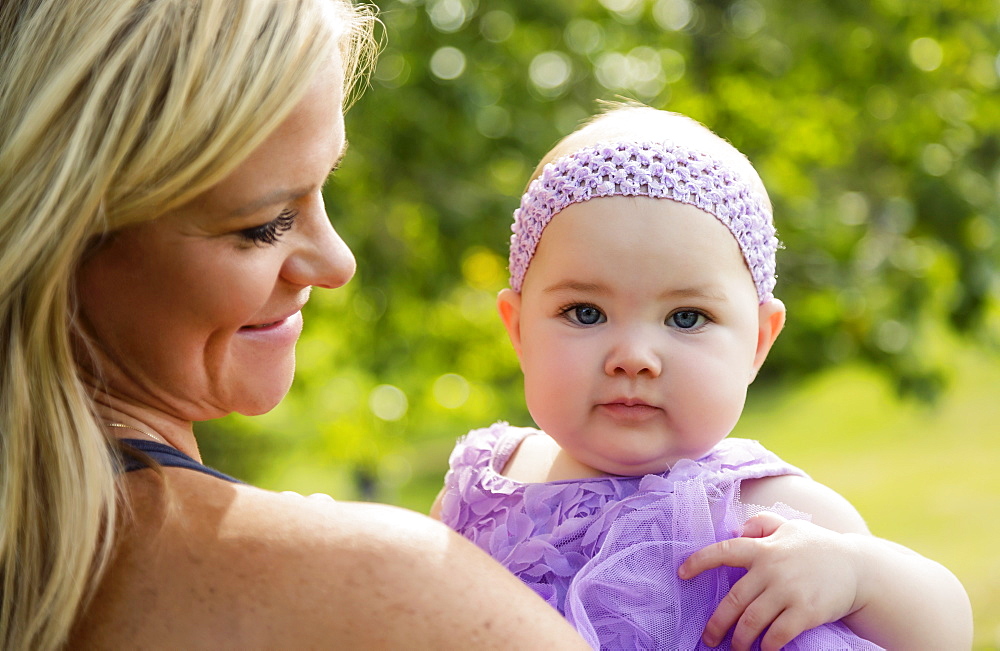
604 551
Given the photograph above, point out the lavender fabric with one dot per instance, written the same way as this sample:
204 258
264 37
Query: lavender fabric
605 551
658 170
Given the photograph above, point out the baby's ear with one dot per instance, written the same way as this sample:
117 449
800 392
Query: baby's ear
771 319
509 306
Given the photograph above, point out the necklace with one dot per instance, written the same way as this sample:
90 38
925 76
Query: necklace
158 439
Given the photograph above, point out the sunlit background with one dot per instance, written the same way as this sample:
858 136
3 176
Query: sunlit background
876 127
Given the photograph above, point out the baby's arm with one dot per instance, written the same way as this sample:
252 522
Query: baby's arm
801 575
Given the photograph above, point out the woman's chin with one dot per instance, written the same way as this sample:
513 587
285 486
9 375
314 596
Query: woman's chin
262 397
257 409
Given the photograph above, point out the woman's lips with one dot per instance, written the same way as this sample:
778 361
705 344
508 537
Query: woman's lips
262 326
280 331
275 322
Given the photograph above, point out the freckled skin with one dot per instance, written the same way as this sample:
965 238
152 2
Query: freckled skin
204 564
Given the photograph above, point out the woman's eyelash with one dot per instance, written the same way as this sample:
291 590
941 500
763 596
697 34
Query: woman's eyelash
267 234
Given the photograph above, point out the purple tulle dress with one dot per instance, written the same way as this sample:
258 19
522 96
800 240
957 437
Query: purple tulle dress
605 551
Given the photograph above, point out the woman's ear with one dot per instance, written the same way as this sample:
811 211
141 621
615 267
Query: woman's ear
770 321
509 306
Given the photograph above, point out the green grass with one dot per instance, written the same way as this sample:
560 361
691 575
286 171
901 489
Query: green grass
926 477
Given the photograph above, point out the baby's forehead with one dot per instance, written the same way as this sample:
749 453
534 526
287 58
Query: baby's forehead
659 245
617 211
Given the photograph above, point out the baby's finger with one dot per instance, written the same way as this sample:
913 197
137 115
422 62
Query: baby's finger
763 524
732 607
757 617
785 628
736 552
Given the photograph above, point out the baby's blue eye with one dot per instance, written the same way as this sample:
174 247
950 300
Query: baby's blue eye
583 315
687 319
587 315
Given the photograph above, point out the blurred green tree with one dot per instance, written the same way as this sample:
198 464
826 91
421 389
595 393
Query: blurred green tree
875 124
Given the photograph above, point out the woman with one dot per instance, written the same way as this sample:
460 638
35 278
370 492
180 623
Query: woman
161 226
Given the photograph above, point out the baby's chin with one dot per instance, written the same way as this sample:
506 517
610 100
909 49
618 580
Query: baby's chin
654 466
628 468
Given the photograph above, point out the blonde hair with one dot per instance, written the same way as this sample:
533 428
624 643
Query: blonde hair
112 112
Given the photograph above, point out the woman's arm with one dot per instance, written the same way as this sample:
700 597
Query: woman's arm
805 574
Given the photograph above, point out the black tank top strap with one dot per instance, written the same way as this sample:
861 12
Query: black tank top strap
166 456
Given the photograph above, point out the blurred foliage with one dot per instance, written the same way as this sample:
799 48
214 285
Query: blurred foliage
875 125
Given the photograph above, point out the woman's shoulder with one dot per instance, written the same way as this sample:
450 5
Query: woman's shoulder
247 567
378 575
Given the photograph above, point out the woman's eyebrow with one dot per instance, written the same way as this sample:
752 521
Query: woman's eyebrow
340 156
284 195
270 199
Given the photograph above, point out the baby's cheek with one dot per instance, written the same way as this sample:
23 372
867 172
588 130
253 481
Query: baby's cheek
729 401
541 396
719 394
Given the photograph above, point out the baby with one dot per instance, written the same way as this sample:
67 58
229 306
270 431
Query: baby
641 307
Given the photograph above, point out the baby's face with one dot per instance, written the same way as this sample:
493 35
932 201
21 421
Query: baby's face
638 333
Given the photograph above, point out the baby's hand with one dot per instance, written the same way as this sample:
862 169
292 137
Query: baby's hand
799 576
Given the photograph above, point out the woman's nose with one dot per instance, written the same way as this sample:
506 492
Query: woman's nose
634 355
320 258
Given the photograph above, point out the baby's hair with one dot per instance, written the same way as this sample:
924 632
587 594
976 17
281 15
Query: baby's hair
632 120
604 108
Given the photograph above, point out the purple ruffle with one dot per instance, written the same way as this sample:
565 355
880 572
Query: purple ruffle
605 551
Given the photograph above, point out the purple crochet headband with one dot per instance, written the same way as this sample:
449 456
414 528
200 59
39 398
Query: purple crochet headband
659 170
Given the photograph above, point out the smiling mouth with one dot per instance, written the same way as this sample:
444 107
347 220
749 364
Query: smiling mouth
261 326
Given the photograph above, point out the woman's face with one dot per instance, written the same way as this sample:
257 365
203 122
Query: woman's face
196 314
